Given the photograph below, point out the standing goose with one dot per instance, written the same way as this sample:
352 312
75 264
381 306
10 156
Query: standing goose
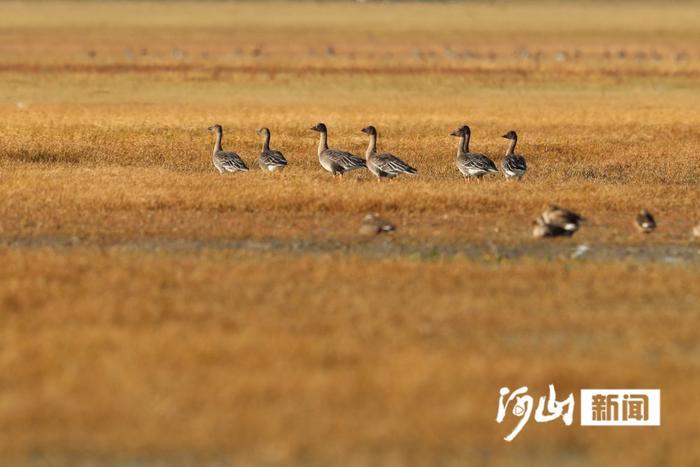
384 165
225 161
514 165
270 159
555 215
335 161
471 164
645 221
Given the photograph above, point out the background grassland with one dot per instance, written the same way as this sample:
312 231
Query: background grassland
153 311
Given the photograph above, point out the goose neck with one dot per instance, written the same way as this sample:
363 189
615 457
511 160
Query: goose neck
511 147
266 142
323 142
372 147
463 144
219 137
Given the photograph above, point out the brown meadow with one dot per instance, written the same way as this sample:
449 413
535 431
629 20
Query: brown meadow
158 313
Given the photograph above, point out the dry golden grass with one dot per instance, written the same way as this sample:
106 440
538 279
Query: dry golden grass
154 311
198 355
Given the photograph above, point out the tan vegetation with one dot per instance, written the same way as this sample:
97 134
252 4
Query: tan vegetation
152 309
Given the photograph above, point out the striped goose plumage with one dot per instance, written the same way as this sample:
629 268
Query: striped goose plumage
270 159
225 161
471 164
384 165
333 160
514 165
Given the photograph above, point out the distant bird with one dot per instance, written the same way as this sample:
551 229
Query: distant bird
270 159
514 165
564 218
333 160
645 221
225 161
372 224
471 164
384 165
544 230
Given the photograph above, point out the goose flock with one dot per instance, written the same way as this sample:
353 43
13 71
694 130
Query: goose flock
553 222
382 165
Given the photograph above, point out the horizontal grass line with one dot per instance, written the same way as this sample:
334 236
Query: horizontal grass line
216 70
381 246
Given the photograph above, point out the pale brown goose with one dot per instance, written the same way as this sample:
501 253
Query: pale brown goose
384 165
471 164
225 161
544 230
514 165
555 215
334 161
372 224
645 222
270 159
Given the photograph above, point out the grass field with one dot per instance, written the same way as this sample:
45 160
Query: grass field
154 312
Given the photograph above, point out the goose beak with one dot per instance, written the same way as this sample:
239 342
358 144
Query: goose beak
258 130
210 128
505 136
455 133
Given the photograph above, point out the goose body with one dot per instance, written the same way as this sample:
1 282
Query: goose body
544 230
471 164
372 224
225 161
333 160
564 218
513 165
269 159
645 222
384 165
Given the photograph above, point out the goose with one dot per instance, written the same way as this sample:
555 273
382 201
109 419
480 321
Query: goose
544 230
270 159
225 161
555 215
471 164
514 165
384 165
333 160
372 224
645 221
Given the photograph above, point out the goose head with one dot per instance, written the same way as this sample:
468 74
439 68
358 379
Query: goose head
217 128
262 131
462 131
511 135
370 130
320 127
